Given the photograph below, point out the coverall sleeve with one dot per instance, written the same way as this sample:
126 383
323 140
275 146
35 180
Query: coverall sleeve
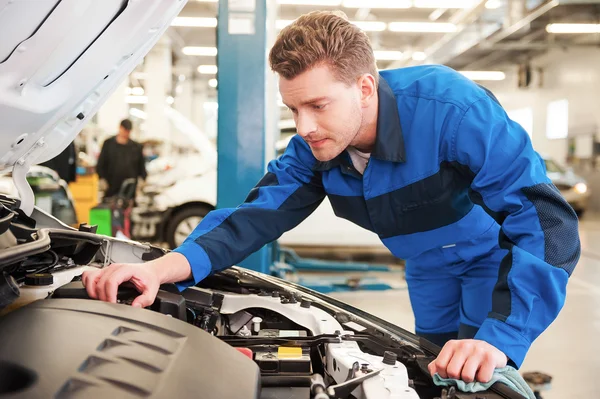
538 227
288 193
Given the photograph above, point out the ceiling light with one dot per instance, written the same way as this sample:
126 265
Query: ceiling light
573 28
138 113
136 91
493 4
388 55
202 51
370 26
444 3
136 99
377 3
213 83
207 69
484 75
436 14
423 27
195 22
419 56
170 100
332 3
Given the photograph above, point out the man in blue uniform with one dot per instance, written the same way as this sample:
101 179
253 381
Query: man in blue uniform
430 162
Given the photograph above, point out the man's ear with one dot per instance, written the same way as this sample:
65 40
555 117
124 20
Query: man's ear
368 88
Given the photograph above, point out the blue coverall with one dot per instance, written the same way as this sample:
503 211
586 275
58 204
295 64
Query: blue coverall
453 186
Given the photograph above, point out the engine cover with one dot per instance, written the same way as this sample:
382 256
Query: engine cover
73 348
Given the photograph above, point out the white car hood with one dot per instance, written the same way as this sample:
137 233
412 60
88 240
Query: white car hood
59 61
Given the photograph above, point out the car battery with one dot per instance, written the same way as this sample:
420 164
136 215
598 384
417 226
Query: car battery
283 360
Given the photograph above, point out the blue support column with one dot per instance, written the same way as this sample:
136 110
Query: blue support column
241 61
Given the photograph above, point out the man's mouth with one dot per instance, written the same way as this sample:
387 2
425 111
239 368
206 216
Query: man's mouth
317 143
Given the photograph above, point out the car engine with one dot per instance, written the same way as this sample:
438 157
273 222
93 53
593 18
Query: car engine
237 334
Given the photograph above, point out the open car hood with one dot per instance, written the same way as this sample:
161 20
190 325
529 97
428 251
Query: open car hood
59 61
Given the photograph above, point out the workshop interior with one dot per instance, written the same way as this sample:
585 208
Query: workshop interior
126 123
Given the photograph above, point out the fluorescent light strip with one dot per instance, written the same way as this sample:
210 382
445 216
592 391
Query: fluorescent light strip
444 3
326 3
388 55
377 4
136 99
484 75
213 83
493 4
201 51
422 27
197 22
573 28
207 69
138 113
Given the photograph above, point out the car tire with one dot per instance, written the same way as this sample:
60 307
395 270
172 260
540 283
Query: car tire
183 222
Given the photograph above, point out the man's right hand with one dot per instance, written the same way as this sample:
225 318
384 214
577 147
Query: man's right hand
147 277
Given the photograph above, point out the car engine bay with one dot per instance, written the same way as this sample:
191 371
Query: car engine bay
237 334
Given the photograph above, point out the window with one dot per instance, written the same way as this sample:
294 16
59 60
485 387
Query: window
524 117
557 119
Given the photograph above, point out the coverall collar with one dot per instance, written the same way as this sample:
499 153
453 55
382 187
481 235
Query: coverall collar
389 142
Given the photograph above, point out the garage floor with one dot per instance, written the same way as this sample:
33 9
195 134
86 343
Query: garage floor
569 350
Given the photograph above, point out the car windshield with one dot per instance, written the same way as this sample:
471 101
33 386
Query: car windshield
553 167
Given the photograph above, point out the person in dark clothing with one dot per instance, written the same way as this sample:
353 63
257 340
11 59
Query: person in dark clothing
120 159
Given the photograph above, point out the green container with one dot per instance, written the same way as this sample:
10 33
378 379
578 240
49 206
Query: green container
101 217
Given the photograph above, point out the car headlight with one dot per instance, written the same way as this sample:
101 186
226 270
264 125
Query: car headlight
580 188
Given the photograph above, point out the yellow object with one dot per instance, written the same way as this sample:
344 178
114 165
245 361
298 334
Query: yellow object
85 196
289 353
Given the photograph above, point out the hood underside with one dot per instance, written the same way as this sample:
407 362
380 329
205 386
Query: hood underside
59 61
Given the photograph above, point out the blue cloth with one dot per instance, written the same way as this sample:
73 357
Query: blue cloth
448 167
506 375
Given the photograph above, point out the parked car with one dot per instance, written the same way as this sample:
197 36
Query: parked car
238 334
572 187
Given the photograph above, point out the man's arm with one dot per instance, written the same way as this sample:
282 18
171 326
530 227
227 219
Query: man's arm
538 227
284 197
102 158
142 164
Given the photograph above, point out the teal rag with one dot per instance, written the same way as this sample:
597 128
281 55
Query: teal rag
506 375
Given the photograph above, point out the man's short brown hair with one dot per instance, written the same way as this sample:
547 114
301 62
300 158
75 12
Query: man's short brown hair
323 38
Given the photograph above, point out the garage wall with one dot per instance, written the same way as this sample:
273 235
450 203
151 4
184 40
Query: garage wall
573 75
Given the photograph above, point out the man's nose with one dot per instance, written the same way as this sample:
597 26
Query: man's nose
305 124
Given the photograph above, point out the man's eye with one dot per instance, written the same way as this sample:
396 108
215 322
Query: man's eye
318 107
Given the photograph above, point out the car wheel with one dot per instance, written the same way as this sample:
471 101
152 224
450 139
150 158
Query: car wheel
182 224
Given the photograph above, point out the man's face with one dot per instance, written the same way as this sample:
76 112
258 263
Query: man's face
327 112
124 132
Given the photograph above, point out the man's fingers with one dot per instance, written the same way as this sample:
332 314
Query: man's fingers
455 366
486 370
441 363
144 300
470 368
118 277
90 279
104 281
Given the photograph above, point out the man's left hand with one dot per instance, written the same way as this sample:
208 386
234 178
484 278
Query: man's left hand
468 360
